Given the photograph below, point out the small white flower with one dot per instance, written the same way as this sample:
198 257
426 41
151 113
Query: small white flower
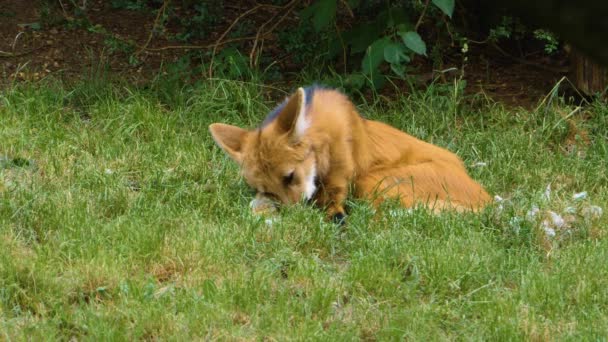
108 171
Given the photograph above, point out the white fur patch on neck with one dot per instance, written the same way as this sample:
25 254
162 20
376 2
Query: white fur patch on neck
302 123
309 183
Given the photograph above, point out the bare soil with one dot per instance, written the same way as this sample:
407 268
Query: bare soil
35 43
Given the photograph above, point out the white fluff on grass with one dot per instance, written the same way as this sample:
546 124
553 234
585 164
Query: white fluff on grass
552 222
592 212
579 195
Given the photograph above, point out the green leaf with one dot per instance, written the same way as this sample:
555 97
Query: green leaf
413 41
322 13
355 80
446 6
394 53
374 55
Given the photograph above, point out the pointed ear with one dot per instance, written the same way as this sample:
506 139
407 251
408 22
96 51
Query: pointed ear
292 119
230 139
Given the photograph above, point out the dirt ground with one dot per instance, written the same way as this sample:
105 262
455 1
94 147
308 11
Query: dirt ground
35 44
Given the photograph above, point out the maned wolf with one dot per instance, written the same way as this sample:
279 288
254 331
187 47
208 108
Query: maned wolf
315 145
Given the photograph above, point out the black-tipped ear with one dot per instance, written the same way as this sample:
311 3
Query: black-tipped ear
292 119
230 139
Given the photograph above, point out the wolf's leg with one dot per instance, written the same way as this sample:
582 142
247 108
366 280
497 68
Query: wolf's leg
331 195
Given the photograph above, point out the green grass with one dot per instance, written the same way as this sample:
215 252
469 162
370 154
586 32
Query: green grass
120 219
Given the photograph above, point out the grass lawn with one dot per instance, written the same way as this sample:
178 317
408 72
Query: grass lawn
120 219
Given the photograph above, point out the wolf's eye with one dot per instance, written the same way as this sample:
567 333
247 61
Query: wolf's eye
287 180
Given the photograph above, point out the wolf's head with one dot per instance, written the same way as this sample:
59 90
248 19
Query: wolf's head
277 159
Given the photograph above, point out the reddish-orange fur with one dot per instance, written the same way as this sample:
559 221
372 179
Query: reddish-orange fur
379 160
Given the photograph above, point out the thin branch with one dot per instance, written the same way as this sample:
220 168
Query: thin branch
481 42
290 6
419 22
18 54
199 47
348 9
447 28
13 54
283 17
244 14
252 83
343 45
526 62
65 13
219 40
161 11
15 41
187 47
